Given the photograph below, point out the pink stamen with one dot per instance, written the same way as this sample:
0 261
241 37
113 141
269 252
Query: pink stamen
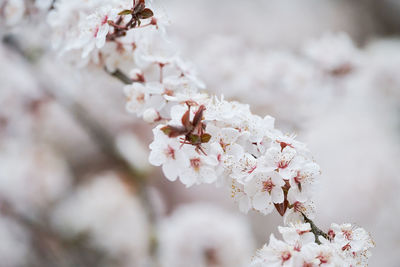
195 163
170 152
268 185
286 256
252 170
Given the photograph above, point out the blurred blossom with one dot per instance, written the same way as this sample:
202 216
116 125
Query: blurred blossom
133 150
334 53
32 177
14 11
288 84
111 215
203 235
14 245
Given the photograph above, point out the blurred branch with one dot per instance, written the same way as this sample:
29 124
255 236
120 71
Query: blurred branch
93 128
118 74
50 249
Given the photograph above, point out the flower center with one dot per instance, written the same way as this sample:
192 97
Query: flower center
283 164
170 152
331 234
140 98
323 258
195 163
286 256
268 185
348 234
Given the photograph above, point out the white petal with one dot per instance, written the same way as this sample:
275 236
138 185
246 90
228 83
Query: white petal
277 195
188 178
208 175
157 157
170 171
244 204
261 201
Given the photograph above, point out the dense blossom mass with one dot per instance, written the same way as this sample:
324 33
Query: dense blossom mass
346 245
201 138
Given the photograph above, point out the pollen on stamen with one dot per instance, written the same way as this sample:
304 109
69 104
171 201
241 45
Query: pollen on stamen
348 234
195 163
323 258
283 164
268 185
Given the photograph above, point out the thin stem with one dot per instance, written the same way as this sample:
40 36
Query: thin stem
315 230
118 74
161 72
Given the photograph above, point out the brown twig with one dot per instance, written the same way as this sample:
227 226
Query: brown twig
315 230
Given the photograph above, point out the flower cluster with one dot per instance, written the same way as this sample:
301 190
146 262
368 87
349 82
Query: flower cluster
202 139
215 141
96 31
346 245
206 139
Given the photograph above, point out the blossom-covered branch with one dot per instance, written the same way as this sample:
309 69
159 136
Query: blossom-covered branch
201 138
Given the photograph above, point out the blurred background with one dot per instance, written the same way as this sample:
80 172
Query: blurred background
76 188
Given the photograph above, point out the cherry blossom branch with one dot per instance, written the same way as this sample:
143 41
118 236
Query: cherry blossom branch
315 230
207 139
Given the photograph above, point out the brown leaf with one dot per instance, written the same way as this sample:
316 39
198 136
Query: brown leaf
198 116
145 14
139 7
194 138
186 120
173 131
281 207
205 138
125 12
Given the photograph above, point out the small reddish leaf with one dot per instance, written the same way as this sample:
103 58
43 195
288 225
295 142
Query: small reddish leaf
205 138
194 138
173 131
139 7
198 116
125 12
145 14
281 207
186 120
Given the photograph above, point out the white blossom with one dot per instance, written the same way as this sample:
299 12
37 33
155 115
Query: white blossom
198 235
299 248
